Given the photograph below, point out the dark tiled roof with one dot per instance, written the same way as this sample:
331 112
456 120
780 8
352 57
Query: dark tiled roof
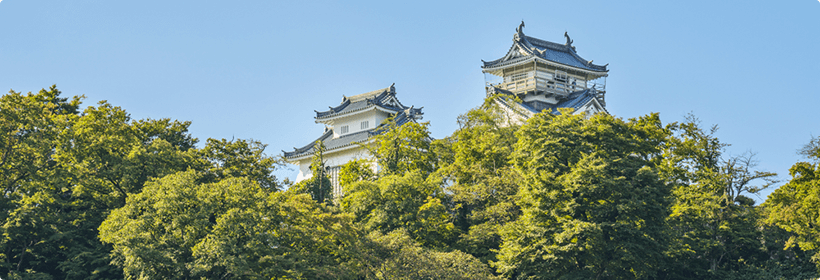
403 115
384 98
534 47
401 118
330 142
574 100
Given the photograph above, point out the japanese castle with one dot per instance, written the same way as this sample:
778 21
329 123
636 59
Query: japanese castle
534 76
544 76
347 126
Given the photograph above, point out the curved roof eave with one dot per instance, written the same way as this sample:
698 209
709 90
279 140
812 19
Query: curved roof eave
530 58
363 109
531 46
309 154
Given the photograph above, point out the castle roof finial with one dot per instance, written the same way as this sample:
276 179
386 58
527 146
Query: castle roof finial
569 41
519 32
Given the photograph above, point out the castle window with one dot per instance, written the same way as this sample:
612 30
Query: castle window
365 124
561 76
344 129
519 76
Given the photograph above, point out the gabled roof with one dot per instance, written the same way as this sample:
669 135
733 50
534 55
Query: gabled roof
402 115
526 48
384 99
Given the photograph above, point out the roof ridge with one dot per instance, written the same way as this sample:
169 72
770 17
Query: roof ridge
545 43
369 94
529 46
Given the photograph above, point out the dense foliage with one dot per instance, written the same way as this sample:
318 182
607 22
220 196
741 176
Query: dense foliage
93 194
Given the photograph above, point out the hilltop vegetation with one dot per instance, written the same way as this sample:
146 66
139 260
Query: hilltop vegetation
93 194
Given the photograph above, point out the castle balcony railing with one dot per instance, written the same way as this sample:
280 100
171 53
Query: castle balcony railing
598 84
538 84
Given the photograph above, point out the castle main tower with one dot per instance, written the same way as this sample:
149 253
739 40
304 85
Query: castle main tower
546 75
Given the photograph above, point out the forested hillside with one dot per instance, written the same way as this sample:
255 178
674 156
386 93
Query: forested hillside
90 193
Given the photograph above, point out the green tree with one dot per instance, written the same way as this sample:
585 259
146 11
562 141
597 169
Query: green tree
29 126
795 206
483 183
239 158
179 228
593 205
318 185
402 148
407 202
156 232
355 171
396 256
714 225
108 156
44 224
67 171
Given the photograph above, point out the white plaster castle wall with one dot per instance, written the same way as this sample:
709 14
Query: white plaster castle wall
354 122
379 118
343 156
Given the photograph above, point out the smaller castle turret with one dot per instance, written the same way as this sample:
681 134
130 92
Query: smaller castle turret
351 123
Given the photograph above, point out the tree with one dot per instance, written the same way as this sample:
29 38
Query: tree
318 185
402 148
593 205
795 206
30 124
355 171
396 256
178 228
109 157
67 171
29 127
239 158
407 202
483 184
714 226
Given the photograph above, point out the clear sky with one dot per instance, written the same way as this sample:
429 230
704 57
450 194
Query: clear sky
258 69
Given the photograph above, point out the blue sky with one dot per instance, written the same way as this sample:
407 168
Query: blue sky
258 69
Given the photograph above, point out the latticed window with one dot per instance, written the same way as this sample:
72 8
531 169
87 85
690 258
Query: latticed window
365 124
519 76
333 174
344 129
